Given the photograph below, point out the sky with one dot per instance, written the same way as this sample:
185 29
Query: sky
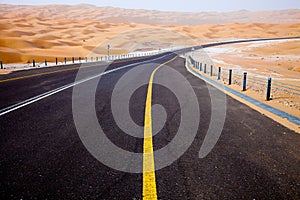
176 5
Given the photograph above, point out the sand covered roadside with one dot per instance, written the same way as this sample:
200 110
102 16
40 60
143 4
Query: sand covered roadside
277 59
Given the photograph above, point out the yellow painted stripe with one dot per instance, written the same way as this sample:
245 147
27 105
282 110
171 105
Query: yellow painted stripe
40 74
149 182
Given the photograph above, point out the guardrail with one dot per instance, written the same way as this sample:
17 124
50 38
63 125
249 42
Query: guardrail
271 87
60 61
73 60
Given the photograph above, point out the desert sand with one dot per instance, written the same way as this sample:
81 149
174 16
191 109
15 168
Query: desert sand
41 32
84 12
277 59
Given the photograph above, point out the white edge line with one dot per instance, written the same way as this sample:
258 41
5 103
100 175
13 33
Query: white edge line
54 91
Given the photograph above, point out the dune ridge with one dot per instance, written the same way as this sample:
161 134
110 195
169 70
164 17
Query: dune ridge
120 15
40 32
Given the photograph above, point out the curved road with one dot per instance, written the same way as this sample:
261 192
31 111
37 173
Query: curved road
43 156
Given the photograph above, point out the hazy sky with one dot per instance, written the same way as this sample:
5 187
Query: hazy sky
177 5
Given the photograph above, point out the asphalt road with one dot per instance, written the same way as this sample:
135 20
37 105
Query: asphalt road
43 157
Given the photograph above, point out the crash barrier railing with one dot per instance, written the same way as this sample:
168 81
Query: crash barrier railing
273 88
76 60
59 61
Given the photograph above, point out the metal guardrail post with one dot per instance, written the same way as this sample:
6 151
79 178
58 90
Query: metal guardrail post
204 68
33 62
269 89
211 70
245 81
230 77
219 73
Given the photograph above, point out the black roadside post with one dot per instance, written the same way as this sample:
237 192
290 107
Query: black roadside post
1 64
65 60
79 59
45 62
211 70
56 61
269 89
73 60
33 62
204 68
230 77
245 81
219 73
85 59
200 67
108 47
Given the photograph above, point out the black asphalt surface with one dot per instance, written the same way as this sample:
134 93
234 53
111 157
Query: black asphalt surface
42 156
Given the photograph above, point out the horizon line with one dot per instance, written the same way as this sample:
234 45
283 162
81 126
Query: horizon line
97 6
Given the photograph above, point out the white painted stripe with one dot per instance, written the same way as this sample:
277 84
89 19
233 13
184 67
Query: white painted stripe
52 92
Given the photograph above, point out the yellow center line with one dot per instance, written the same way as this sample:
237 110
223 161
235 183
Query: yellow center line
40 74
149 182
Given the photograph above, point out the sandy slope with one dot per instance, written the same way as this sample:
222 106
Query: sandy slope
22 39
119 15
41 32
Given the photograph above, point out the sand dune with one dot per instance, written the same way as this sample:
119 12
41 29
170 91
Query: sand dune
41 38
40 32
119 15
